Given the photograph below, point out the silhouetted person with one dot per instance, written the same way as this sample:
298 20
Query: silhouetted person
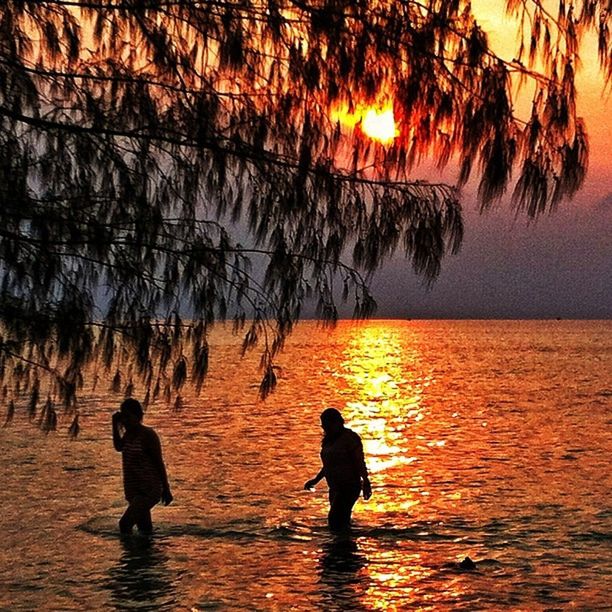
344 469
144 474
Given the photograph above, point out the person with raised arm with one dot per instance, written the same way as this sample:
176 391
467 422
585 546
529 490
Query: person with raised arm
145 481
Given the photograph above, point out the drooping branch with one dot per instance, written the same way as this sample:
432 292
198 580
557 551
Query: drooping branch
168 164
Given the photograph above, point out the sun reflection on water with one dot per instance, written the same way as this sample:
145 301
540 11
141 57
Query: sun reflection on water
523 497
385 379
381 370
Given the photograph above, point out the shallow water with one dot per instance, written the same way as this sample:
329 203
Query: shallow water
487 439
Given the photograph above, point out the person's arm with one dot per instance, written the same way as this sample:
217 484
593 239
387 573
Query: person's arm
117 439
359 459
155 451
314 481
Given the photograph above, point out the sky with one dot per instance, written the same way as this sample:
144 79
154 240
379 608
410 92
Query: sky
509 266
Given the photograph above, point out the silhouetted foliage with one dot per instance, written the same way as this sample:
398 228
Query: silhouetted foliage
162 159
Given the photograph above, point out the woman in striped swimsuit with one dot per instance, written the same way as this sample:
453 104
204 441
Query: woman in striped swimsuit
144 474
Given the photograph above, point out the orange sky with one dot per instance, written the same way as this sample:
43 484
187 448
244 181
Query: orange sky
593 104
509 266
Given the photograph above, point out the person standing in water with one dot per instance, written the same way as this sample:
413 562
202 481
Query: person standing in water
344 469
145 481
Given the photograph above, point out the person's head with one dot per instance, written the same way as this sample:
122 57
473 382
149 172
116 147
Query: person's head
331 421
131 413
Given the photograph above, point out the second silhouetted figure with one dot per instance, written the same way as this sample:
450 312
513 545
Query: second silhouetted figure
344 469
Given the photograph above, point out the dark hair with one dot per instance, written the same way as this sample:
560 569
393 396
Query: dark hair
132 406
331 415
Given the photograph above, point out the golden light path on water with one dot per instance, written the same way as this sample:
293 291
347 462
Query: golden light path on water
373 369
383 371
485 439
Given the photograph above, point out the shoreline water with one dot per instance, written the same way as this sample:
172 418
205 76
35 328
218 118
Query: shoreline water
487 440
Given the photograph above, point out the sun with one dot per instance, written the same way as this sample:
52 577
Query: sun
375 122
379 125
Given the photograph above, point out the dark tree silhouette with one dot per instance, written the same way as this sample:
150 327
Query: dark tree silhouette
163 158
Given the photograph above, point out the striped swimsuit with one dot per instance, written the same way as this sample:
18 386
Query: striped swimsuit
140 474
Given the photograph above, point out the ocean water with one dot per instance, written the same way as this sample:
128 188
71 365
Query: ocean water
487 439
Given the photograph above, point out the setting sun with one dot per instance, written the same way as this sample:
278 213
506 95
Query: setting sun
379 125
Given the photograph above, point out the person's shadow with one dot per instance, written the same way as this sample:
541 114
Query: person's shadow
141 579
340 576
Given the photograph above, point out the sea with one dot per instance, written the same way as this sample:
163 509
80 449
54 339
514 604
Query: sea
484 439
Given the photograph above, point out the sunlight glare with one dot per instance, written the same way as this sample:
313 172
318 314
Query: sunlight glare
383 397
375 122
379 125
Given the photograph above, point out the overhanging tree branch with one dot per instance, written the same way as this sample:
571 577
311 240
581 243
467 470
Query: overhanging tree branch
155 155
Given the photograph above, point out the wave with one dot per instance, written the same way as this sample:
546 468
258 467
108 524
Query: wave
105 526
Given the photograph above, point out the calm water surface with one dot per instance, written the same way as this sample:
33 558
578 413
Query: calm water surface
487 439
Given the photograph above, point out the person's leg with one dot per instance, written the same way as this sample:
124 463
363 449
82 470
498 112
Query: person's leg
339 517
341 502
144 522
138 513
127 521
142 509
